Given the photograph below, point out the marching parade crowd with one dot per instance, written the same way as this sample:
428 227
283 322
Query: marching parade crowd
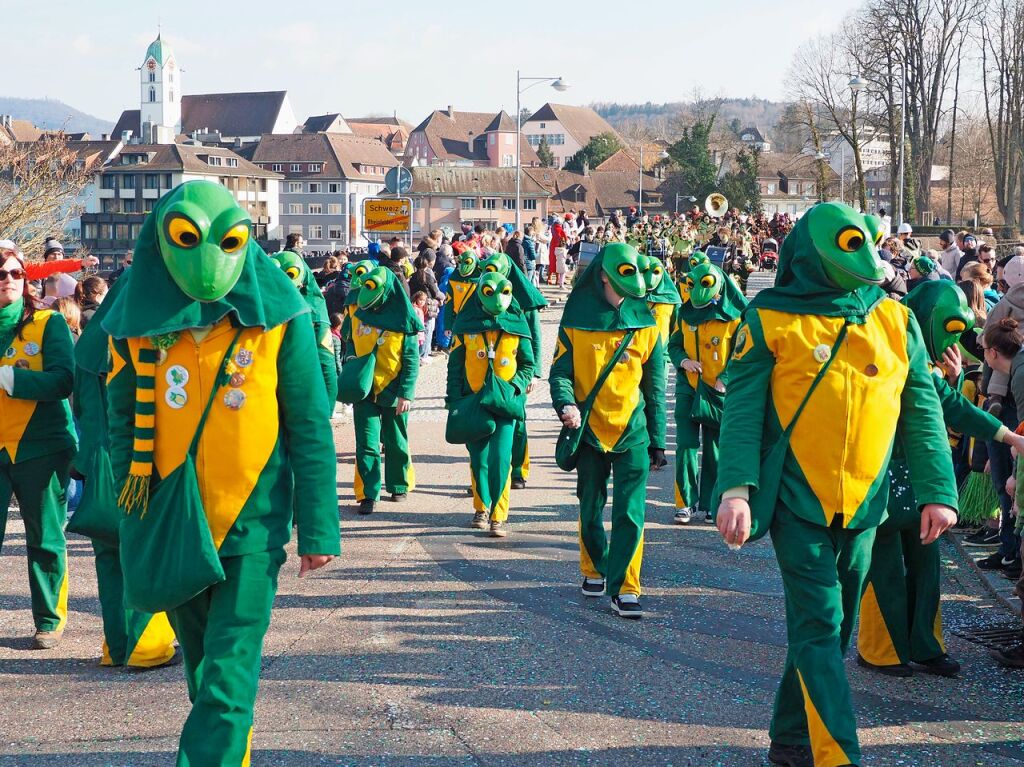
849 412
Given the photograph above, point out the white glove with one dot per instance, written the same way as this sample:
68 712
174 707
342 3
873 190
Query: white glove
7 379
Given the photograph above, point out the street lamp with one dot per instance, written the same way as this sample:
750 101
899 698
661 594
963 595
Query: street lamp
856 84
559 85
691 200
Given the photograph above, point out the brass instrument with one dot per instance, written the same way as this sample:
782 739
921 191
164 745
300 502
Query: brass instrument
716 205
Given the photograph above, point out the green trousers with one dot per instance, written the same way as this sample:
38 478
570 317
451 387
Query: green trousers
520 452
692 491
40 485
490 462
130 638
374 425
900 616
618 560
823 573
221 634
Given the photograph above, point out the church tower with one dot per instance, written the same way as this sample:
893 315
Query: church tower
160 84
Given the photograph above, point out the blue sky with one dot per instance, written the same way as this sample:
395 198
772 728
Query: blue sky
409 55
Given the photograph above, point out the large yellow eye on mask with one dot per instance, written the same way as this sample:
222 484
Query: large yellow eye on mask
850 239
488 291
292 272
627 270
183 232
236 239
707 281
955 326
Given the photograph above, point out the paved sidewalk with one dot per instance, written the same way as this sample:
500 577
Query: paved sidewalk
429 644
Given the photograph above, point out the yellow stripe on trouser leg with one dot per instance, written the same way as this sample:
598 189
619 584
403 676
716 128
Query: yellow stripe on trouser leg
631 581
592 470
478 502
156 644
521 452
873 640
586 563
827 753
399 475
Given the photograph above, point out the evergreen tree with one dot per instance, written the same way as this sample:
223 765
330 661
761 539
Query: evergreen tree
597 150
691 154
544 153
740 185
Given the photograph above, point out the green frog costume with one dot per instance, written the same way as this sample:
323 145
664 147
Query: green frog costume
461 282
900 616
297 270
37 444
530 302
705 325
833 485
662 296
494 345
130 637
207 317
383 325
628 414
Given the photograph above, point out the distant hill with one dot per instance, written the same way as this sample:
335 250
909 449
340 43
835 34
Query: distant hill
747 111
53 115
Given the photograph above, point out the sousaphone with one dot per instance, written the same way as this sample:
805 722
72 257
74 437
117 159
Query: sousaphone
716 205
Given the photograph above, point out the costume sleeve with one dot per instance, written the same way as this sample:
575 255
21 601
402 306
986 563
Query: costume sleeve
325 351
746 402
40 271
57 378
121 409
652 384
533 318
961 415
561 377
922 429
524 365
410 367
346 332
676 352
309 441
456 374
724 375
449 308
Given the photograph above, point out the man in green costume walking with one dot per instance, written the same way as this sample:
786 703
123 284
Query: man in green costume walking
205 332
384 328
827 308
625 431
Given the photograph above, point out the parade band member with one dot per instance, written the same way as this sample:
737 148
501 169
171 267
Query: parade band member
827 322
210 370
37 441
625 429
494 345
901 620
530 302
699 347
138 640
378 379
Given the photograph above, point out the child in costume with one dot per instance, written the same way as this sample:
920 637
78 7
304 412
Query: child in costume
530 302
900 616
380 385
493 346
461 283
826 343
37 441
662 297
624 432
204 335
138 640
699 347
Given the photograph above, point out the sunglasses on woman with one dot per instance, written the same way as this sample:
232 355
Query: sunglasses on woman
14 274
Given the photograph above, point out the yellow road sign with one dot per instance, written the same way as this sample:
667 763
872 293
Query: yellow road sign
391 215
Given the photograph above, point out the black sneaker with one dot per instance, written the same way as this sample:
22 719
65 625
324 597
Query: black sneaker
708 518
985 536
366 506
790 756
627 606
398 497
897 669
1012 658
518 484
593 587
1013 572
479 520
941 666
996 561
469 491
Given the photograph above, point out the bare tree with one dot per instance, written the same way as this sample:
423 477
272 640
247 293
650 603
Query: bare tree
972 184
40 190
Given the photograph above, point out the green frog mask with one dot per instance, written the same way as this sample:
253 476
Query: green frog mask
495 293
847 243
705 284
373 286
941 310
467 263
621 265
653 272
496 262
291 264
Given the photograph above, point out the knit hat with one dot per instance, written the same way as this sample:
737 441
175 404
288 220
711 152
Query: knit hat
52 244
1013 271
947 236
923 265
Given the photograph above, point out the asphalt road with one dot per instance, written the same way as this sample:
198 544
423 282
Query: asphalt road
429 644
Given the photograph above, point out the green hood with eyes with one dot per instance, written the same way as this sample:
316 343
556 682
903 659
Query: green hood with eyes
942 312
390 308
154 301
356 272
828 265
719 300
475 318
588 309
660 288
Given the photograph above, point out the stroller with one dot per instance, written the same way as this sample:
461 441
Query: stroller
769 260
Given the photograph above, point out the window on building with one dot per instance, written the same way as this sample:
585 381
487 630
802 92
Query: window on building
417 203
447 203
508 160
110 205
315 188
315 209
277 167
295 209
334 209
467 203
214 160
130 206
543 125
333 187
108 181
148 205
316 232
152 76
334 232
556 139
152 95
488 203
295 229
231 162
492 139
89 232
104 232
170 95
771 189
509 204
167 181
128 182
530 204
296 167
151 181
121 231
315 167
294 187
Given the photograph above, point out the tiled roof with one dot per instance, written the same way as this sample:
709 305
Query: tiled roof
473 181
621 160
190 159
331 123
230 114
93 153
394 133
21 130
582 123
457 135
340 153
600 191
